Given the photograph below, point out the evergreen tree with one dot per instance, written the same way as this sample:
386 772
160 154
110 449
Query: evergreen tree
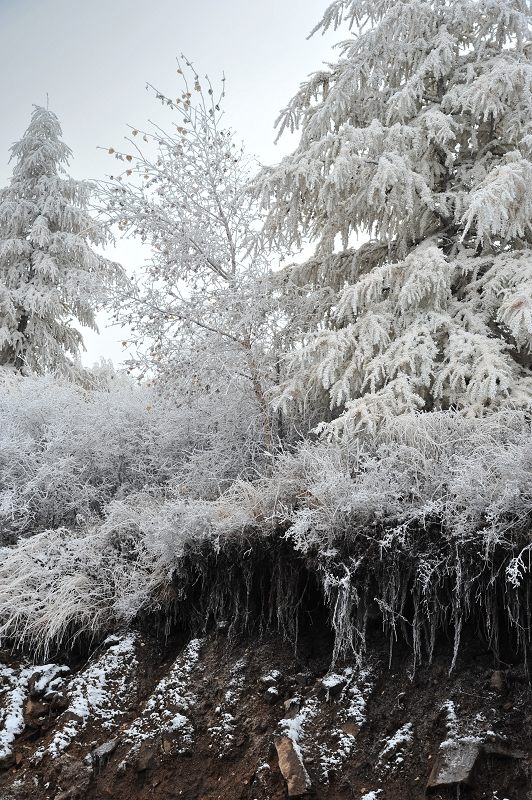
418 141
49 274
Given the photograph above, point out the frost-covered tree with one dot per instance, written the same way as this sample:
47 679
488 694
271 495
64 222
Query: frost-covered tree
418 141
200 310
50 277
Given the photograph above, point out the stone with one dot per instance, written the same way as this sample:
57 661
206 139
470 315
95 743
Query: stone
271 679
47 679
350 728
145 757
454 765
75 777
333 684
122 767
292 706
59 701
457 761
101 755
271 695
303 678
7 760
501 749
292 767
498 681
36 714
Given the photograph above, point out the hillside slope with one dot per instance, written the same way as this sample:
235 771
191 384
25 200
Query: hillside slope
257 719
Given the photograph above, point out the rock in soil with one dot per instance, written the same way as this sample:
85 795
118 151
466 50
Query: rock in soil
292 767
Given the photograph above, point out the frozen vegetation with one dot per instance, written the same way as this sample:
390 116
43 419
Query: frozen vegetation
323 432
362 417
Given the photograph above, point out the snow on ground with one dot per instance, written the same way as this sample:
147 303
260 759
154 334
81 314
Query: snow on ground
14 690
357 685
98 693
223 734
294 727
349 692
166 709
13 695
395 747
464 731
51 678
360 685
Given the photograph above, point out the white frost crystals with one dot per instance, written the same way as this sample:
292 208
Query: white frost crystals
14 689
357 687
395 747
166 709
13 692
416 146
50 275
98 694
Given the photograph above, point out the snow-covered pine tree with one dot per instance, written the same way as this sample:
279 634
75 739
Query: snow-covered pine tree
49 274
418 141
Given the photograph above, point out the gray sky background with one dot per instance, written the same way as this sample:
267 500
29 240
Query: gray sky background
94 57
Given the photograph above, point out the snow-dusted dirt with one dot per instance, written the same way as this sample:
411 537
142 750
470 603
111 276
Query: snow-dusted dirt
206 718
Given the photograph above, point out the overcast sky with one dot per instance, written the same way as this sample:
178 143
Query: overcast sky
94 57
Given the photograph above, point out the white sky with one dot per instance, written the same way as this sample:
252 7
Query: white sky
94 57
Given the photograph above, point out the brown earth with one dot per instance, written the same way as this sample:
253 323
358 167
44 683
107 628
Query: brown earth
214 728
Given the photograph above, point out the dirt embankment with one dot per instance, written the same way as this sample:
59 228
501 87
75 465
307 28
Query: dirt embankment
258 719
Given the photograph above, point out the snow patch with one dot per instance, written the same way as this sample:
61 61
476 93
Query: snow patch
99 693
51 677
14 690
396 744
351 715
223 734
11 714
294 728
473 731
164 710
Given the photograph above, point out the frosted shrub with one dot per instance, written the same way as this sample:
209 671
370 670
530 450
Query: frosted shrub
66 451
425 513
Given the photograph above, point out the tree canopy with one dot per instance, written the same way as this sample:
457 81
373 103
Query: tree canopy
50 276
412 176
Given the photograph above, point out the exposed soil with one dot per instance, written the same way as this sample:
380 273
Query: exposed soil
209 730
